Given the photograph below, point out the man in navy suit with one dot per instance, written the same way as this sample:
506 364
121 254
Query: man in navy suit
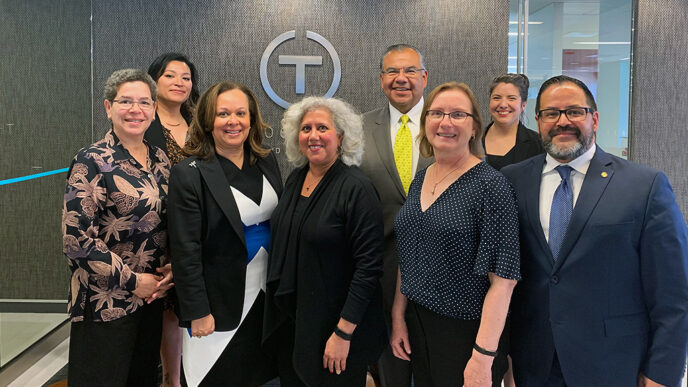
604 250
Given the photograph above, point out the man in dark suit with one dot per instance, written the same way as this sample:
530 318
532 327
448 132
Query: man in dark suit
391 159
604 251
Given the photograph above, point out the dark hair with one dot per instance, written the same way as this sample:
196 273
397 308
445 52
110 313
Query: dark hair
120 77
519 80
559 79
201 142
401 47
475 144
157 68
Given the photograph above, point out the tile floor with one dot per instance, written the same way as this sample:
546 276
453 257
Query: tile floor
43 370
18 331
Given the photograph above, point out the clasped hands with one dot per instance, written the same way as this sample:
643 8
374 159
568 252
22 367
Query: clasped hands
151 287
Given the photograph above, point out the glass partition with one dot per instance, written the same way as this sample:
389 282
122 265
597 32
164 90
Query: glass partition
589 40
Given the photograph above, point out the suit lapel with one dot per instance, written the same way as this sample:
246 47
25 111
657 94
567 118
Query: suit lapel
532 182
274 179
596 179
216 181
383 143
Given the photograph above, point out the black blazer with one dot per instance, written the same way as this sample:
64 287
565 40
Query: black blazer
207 246
339 266
528 144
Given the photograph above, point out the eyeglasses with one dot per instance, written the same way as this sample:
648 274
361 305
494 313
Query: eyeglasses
572 114
127 104
455 117
410 72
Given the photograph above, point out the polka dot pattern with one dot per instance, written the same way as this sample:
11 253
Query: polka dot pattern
446 252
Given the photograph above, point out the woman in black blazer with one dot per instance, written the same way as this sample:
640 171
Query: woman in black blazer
220 203
324 307
507 140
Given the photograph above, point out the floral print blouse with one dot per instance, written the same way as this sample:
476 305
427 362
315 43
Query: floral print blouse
114 225
173 149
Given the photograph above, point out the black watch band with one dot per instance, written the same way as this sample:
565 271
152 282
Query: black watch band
342 334
484 351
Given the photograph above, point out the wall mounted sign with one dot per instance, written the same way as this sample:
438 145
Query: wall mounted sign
300 62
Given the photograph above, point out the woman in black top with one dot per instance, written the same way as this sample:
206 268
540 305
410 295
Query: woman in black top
175 77
457 238
324 304
507 140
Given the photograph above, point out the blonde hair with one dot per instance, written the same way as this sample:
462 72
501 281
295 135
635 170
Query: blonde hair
475 144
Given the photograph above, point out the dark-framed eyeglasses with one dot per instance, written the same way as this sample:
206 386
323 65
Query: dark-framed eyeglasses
410 72
455 116
572 114
144 104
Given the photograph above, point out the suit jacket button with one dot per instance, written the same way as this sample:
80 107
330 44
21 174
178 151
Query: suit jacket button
555 279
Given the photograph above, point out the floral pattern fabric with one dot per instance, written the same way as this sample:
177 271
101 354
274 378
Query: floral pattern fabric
114 225
174 151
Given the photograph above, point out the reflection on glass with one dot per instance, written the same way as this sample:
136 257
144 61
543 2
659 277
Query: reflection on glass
588 40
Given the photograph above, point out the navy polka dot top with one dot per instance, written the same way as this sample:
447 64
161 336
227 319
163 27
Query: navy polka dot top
446 252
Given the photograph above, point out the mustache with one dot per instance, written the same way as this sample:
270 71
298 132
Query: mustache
560 129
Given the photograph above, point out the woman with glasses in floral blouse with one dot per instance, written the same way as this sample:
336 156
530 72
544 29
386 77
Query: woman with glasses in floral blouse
114 234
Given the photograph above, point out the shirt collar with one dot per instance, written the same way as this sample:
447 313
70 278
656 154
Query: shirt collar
579 164
122 154
413 114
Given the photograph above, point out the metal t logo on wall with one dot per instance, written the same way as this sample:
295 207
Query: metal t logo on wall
300 61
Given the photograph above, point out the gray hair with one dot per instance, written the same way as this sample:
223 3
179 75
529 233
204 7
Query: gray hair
348 124
401 47
120 77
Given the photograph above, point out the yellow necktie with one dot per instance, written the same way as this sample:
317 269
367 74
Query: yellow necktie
403 153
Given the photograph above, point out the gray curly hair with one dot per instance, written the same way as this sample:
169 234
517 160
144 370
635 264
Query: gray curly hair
348 124
120 77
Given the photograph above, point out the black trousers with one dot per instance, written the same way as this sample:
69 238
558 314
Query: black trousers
441 347
354 376
122 352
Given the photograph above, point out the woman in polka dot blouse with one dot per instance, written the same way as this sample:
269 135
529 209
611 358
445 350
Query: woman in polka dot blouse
457 236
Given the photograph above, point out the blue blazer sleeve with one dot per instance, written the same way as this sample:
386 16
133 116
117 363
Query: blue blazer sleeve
664 274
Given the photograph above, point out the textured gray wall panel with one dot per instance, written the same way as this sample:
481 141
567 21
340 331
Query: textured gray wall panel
462 40
660 91
33 266
45 93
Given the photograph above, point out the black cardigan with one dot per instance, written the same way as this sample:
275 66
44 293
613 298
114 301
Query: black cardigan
339 267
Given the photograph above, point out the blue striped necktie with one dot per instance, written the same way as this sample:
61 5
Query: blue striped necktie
562 208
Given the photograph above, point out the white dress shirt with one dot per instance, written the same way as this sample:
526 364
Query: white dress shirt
414 126
551 180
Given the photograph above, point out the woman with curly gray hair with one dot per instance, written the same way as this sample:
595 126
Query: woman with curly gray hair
323 313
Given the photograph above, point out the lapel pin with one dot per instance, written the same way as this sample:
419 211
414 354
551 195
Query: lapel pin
193 164
604 174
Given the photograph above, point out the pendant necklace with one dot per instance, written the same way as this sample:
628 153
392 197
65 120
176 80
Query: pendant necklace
445 176
313 183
